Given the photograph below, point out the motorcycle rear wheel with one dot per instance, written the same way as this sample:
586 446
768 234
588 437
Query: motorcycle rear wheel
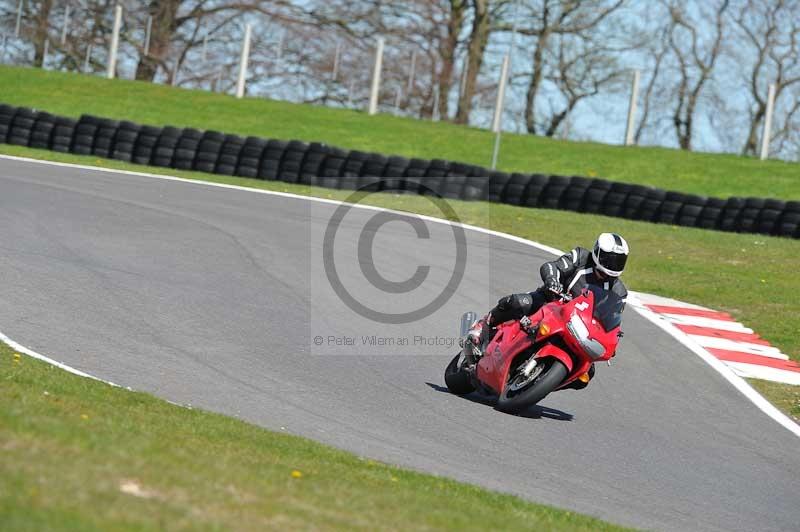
551 376
458 381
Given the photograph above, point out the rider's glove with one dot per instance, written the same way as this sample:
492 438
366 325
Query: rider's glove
552 288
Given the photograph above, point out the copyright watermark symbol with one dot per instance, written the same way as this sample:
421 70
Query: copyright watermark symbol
383 282
366 259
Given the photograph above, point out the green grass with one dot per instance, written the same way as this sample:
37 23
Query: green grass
701 173
70 447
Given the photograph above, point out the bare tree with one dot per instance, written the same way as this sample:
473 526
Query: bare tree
476 47
42 20
454 14
177 25
165 24
771 31
656 52
432 30
696 57
35 25
564 51
582 66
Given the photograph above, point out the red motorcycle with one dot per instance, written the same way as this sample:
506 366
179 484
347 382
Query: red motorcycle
546 351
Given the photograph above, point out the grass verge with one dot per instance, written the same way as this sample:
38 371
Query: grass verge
738 273
700 173
77 454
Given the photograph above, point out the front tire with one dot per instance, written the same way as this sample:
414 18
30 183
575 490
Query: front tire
458 380
513 401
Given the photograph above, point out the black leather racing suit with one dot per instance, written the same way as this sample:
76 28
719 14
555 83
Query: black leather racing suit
574 271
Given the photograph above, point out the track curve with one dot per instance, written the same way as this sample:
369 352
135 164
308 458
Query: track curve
212 296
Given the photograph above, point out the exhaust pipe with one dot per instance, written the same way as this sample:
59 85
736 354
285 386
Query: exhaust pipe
466 322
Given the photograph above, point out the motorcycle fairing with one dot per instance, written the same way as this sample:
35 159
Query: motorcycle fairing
510 338
552 340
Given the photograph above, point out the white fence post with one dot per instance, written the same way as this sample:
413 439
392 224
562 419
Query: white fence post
412 72
497 123
435 114
398 94
765 136
504 72
279 49
462 84
350 90
65 27
147 31
45 52
204 54
18 26
5 49
629 140
335 72
243 62
87 62
376 78
501 94
112 53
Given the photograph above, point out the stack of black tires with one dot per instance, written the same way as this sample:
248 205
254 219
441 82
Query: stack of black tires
326 166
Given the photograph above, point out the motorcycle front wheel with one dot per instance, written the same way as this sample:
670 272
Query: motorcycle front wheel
522 391
458 381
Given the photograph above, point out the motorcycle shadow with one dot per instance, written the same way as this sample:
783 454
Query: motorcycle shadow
533 412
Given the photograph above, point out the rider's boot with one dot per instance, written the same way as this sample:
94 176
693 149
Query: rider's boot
478 335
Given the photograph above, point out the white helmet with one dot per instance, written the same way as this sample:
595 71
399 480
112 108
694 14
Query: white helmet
610 253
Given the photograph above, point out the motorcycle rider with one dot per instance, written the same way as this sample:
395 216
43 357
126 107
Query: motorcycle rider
570 273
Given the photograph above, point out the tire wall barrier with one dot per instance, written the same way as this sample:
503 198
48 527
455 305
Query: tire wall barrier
326 166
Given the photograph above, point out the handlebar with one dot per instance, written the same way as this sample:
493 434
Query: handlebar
560 296
565 297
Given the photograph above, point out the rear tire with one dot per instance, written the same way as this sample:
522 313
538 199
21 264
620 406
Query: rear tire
548 381
458 381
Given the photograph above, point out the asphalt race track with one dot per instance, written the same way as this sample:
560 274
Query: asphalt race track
214 297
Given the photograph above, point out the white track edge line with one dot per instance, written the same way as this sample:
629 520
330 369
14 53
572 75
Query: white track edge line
33 354
739 383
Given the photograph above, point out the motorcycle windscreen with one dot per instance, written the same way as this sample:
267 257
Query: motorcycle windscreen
608 307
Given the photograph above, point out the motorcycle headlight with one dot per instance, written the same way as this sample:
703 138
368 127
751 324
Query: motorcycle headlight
578 329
